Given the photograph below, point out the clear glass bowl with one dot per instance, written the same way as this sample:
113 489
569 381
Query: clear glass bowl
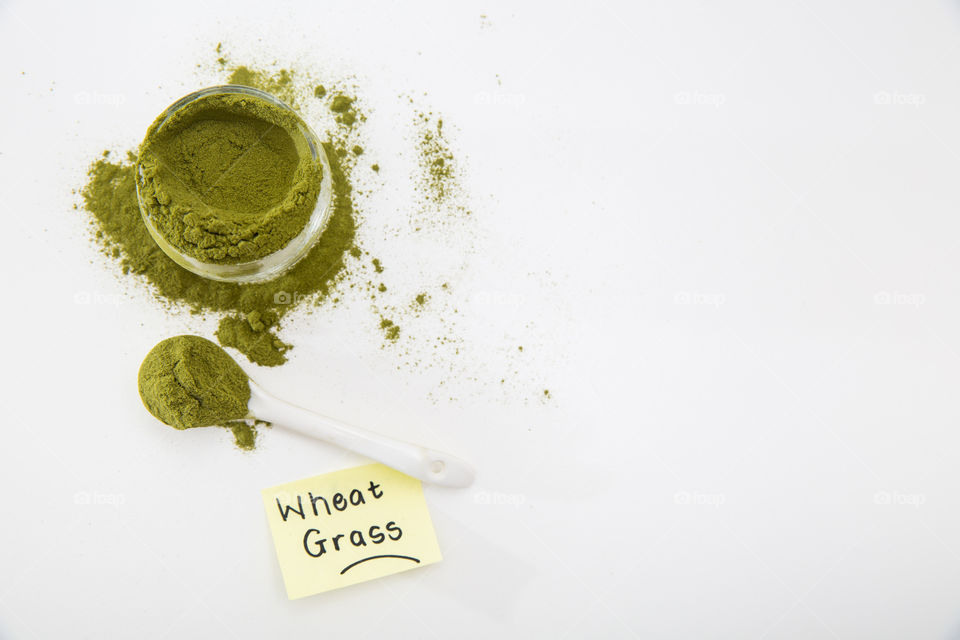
276 263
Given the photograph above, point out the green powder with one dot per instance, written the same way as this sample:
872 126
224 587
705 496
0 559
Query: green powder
390 329
247 333
245 435
110 196
279 84
343 107
228 178
188 381
439 180
250 314
341 104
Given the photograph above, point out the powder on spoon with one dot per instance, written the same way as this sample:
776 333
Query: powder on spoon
187 381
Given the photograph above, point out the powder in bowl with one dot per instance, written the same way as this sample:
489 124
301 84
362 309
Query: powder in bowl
226 176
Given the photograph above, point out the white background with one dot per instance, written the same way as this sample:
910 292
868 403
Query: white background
728 232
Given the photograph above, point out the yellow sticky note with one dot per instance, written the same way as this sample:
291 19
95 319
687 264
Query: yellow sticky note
349 526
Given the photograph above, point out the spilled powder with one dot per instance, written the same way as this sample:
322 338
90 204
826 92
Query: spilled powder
252 310
438 175
280 84
390 330
419 323
248 333
245 435
442 204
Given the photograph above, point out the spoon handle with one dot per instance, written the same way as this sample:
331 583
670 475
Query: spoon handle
425 464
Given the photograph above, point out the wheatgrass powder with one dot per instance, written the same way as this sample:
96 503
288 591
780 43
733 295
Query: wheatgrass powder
228 177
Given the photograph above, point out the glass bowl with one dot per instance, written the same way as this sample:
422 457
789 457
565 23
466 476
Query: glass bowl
278 262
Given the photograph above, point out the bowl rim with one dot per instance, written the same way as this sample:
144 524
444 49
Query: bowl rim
274 264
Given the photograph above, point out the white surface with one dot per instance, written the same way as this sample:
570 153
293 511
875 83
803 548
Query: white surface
429 465
733 227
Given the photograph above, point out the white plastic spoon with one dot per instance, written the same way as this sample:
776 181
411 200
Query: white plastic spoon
421 463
